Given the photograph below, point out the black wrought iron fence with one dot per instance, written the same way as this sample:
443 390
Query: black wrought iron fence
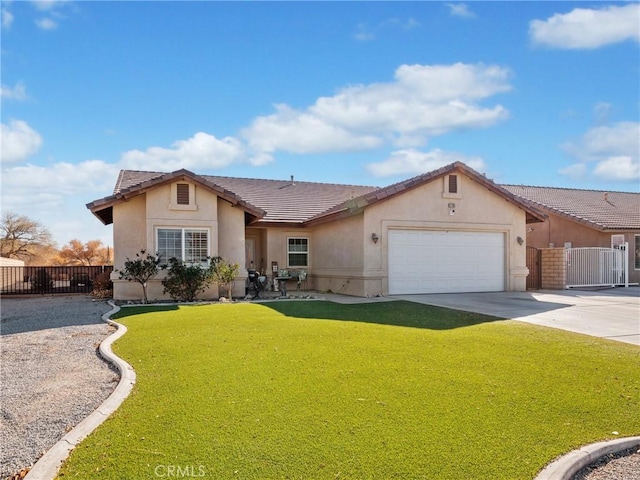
16 280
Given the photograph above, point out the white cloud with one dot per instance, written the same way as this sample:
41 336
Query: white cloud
59 179
299 132
613 149
52 12
422 101
363 33
46 24
588 28
7 18
460 10
19 141
48 5
414 162
409 24
367 33
200 152
56 195
576 172
619 139
19 92
601 112
618 169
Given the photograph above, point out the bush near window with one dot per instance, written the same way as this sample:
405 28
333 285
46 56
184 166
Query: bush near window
185 282
224 275
141 270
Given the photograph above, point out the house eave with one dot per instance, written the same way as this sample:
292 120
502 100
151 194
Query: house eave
103 208
357 205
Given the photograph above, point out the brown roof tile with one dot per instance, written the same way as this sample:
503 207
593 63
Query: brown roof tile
596 208
289 201
283 200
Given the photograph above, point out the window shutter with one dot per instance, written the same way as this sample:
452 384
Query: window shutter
453 184
182 194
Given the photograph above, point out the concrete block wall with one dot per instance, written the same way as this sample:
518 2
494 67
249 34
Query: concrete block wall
553 269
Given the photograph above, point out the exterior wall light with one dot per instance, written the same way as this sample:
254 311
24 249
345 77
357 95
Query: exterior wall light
520 240
374 237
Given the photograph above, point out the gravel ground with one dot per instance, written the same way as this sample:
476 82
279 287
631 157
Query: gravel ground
621 466
51 373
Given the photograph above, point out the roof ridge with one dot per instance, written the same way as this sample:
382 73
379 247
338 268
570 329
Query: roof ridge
256 178
565 188
294 181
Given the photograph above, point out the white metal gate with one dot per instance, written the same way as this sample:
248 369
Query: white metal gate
597 266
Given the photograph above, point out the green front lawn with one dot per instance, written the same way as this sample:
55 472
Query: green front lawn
316 390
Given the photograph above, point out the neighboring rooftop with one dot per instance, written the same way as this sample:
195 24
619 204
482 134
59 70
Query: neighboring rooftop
597 208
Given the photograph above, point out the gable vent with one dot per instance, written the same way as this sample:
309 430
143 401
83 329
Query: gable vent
182 197
453 184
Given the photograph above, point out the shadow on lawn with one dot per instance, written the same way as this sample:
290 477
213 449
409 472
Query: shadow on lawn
129 310
400 313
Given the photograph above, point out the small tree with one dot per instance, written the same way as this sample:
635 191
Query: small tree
224 275
21 236
184 282
91 253
141 270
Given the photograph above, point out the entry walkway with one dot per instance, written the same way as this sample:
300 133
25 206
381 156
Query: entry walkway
610 313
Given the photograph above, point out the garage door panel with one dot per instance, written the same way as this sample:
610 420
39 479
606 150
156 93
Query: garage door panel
441 262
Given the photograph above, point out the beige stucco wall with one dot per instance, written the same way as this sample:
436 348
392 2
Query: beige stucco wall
343 258
129 234
346 260
136 222
273 248
231 241
338 257
427 207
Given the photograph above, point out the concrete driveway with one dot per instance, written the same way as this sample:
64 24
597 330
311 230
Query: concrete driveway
612 313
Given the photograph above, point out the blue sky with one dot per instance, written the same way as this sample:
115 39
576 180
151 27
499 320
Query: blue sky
368 93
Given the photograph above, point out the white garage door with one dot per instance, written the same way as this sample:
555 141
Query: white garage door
445 262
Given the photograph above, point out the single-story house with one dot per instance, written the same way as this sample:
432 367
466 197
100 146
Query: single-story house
449 230
584 218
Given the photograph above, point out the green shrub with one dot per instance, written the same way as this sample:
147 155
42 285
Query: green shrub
185 282
103 281
224 274
102 286
141 270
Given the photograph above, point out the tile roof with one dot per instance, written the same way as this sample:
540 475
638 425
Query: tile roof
292 201
283 200
599 209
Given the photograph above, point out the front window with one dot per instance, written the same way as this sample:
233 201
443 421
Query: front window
637 249
298 252
186 244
